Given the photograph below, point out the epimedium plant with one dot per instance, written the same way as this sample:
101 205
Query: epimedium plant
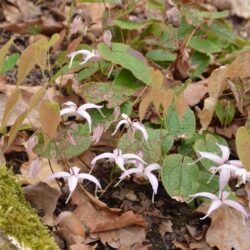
123 80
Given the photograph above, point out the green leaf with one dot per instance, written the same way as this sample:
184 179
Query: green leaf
61 147
96 92
225 110
203 45
200 62
210 14
206 184
129 25
161 55
179 177
3 52
126 79
180 126
128 58
209 144
167 143
10 62
152 150
87 72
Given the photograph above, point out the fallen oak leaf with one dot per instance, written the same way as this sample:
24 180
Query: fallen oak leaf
44 199
102 219
227 230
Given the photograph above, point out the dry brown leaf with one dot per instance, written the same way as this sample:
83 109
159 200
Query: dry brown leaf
166 226
243 146
81 247
240 8
218 82
157 94
99 218
44 199
71 223
194 92
227 230
44 172
131 237
49 113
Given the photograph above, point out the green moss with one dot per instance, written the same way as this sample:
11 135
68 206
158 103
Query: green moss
18 219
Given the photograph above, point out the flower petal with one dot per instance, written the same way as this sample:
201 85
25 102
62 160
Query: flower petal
72 182
85 115
225 175
120 163
120 123
140 127
74 170
90 106
133 156
211 156
205 195
237 206
90 178
225 152
153 166
214 205
73 54
70 104
128 172
58 175
153 181
102 156
236 163
67 111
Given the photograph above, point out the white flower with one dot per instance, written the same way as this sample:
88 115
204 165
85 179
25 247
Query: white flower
117 157
73 177
144 171
219 160
88 55
227 171
132 126
72 109
219 201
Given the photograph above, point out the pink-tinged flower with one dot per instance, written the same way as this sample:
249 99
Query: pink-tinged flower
107 37
227 171
117 157
88 56
73 177
219 160
72 109
132 126
219 201
31 143
35 167
141 171
97 133
76 26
